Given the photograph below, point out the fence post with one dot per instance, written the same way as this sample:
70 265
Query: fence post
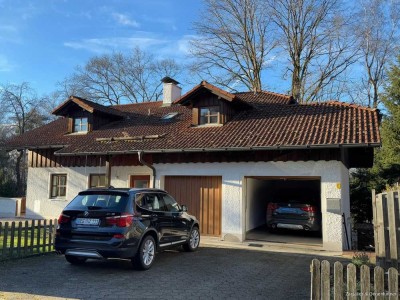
44 239
12 235
39 224
338 281
5 239
379 284
32 242
1 234
351 282
365 283
379 230
393 284
315 279
26 238
393 219
19 239
49 243
325 280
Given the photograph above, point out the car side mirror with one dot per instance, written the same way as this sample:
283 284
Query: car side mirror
184 208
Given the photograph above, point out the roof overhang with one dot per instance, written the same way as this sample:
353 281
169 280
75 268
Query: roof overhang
277 147
204 85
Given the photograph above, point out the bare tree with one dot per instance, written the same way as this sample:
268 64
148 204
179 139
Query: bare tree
377 31
314 34
233 42
117 78
22 112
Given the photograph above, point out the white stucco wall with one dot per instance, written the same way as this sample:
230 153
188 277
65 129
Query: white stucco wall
233 191
38 201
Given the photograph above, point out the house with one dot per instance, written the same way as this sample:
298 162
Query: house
224 155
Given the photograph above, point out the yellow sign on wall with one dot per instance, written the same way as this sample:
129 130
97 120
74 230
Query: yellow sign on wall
338 185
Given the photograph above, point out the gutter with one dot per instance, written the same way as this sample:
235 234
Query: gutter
140 157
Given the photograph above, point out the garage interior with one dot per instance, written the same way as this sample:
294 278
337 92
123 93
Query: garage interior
262 190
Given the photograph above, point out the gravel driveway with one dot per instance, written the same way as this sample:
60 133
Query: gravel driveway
209 273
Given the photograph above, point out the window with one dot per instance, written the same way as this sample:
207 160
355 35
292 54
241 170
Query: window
97 180
80 124
170 204
140 181
115 201
209 115
149 201
58 185
170 116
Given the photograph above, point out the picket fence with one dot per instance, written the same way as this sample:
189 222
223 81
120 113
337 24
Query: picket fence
20 239
339 285
386 216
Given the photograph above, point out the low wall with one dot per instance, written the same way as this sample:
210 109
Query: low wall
9 207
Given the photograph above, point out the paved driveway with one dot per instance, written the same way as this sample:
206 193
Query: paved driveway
209 273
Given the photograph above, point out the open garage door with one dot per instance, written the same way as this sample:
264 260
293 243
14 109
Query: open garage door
284 209
202 196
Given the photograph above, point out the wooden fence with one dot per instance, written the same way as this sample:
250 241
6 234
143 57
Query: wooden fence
20 239
386 216
338 285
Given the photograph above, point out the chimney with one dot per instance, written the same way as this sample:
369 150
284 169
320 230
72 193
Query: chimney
171 90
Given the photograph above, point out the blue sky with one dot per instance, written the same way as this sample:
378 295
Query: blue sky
42 41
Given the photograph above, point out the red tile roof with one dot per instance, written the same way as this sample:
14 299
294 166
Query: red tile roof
273 121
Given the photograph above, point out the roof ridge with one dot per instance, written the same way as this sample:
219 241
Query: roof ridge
264 92
138 103
341 103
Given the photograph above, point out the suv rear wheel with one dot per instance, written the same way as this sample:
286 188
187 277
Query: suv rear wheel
75 260
194 240
144 258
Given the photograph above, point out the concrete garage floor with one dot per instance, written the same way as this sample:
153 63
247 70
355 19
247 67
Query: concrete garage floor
292 237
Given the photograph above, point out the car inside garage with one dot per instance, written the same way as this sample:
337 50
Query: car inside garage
284 210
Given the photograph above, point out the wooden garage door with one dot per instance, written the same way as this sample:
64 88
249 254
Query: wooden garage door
202 196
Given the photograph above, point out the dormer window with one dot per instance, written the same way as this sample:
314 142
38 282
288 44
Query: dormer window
209 115
80 124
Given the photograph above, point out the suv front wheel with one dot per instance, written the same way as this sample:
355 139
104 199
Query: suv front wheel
194 240
144 258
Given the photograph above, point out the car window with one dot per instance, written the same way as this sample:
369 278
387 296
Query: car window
149 201
170 203
99 201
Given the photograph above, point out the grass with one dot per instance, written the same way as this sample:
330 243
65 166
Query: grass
34 248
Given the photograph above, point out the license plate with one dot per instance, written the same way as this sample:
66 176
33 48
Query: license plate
284 210
86 221
289 226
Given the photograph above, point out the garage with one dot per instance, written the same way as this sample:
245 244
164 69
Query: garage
284 209
202 196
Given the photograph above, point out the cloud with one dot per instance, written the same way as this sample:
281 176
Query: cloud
5 65
8 29
184 43
101 45
125 20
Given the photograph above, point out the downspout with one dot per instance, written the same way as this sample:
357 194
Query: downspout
140 156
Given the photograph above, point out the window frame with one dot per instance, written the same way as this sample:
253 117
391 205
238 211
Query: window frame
80 124
58 186
98 175
209 115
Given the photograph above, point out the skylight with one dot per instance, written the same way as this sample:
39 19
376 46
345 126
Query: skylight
170 116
